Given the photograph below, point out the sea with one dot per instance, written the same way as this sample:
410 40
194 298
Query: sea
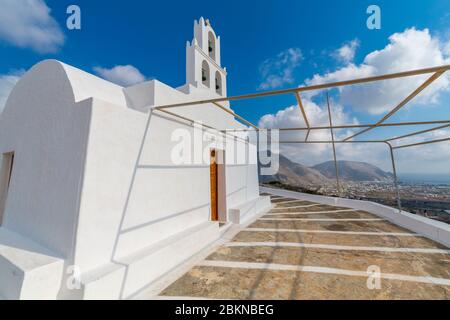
432 179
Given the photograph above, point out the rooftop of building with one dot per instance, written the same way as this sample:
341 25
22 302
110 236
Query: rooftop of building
309 250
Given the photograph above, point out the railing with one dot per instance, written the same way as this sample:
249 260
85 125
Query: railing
435 72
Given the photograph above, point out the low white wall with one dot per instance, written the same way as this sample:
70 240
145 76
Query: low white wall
434 230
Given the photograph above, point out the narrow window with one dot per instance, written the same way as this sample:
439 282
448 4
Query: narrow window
6 169
212 45
205 73
218 83
210 48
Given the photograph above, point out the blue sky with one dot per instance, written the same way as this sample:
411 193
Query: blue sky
265 45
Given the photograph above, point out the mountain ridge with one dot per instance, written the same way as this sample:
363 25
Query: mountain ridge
324 173
353 171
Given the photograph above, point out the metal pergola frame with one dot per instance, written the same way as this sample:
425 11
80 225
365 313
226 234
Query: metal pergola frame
435 72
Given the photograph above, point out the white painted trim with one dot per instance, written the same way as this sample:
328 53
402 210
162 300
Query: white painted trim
434 230
294 207
361 233
290 201
325 270
313 212
335 247
317 219
275 198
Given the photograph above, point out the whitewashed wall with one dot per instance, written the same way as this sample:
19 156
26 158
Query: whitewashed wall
94 181
48 131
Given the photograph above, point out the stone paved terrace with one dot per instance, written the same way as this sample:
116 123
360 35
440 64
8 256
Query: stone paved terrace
305 250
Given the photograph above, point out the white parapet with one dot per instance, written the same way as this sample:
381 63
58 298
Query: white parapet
432 229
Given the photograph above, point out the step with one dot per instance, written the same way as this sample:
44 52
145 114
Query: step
243 212
28 270
128 276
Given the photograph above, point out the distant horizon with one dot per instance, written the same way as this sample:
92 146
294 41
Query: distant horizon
435 178
444 177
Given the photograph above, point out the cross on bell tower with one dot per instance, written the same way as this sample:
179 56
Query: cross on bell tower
203 67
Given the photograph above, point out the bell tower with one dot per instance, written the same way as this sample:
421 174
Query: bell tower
203 69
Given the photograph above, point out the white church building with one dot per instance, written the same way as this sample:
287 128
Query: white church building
92 202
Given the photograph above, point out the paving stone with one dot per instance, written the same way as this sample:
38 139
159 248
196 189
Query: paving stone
255 270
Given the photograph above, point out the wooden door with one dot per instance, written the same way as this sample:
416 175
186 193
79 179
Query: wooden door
214 186
6 168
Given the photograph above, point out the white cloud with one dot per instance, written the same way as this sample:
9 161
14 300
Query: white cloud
408 50
414 159
124 75
310 154
278 71
7 82
28 24
433 157
447 49
346 53
411 49
291 117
